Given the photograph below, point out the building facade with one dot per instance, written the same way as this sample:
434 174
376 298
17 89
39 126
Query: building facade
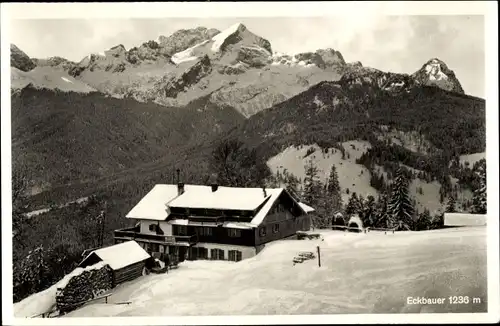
211 222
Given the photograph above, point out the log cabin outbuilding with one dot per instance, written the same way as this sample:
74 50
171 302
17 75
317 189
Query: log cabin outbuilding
213 222
464 219
127 260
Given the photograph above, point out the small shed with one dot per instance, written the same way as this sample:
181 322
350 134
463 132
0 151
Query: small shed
127 260
464 219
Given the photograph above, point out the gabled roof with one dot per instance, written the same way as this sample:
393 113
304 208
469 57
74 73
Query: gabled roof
306 208
231 198
156 204
153 205
120 255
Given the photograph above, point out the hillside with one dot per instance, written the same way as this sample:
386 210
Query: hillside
47 78
66 138
453 258
333 111
355 177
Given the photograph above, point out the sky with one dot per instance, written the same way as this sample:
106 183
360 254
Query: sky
390 43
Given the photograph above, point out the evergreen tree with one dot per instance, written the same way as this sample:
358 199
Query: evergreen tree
238 166
352 207
333 191
312 185
437 221
381 217
368 212
452 206
479 200
400 206
424 221
29 273
292 184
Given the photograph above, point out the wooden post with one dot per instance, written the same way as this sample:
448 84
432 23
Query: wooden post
319 257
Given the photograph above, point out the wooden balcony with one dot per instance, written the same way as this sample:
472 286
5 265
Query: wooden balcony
133 234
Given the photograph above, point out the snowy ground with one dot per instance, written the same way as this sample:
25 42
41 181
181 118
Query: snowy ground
360 273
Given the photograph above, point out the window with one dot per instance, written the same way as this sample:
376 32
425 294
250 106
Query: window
262 231
204 231
217 254
180 230
152 227
234 255
276 228
234 233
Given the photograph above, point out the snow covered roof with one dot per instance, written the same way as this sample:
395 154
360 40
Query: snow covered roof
157 203
231 198
153 205
306 208
462 219
120 255
262 213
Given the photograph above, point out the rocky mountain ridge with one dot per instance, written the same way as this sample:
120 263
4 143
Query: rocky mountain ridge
233 67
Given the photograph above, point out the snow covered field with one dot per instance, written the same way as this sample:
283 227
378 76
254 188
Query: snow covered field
359 273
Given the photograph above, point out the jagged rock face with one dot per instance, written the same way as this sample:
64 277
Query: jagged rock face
436 73
190 77
331 57
241 34
322 58
311 58
375 79
149 51
237 69
185 38
20 60
253 57
118 59
238 45
56 62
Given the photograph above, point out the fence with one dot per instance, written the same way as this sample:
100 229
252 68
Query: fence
48 314
360 230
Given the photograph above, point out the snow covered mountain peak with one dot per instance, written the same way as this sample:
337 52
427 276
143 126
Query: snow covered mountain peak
433 68
436 73
220 39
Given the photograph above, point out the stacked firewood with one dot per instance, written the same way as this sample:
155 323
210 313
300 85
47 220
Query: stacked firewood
81 288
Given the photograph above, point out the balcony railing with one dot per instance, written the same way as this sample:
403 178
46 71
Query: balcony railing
131 234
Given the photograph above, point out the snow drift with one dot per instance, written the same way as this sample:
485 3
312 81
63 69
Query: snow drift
359 273
45 301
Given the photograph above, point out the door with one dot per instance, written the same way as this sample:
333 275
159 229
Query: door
182 253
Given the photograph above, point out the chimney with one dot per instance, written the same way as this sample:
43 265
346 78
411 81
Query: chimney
180 188
264 190
178 175
213 182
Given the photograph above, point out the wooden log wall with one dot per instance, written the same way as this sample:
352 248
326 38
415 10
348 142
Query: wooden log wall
128 273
